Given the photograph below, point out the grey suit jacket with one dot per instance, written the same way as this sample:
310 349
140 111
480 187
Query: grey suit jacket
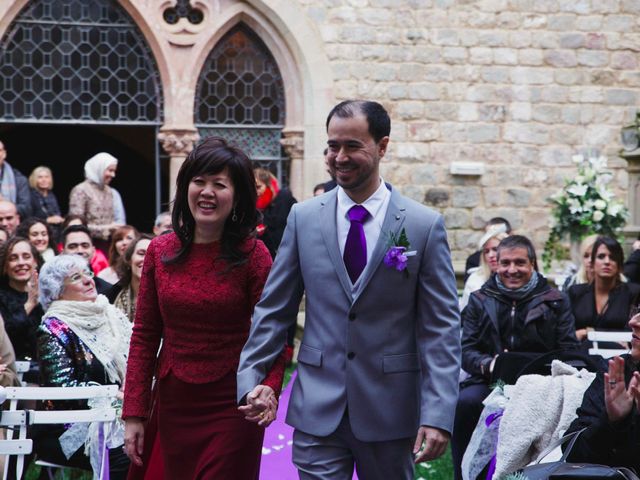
390 350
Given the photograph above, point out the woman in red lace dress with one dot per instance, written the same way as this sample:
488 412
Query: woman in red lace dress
198 289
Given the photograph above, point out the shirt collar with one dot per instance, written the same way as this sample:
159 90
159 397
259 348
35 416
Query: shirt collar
372 204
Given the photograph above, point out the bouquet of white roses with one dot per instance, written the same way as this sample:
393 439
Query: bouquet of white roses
585 206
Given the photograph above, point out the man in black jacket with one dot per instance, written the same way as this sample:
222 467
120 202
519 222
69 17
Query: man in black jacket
516 310
610 413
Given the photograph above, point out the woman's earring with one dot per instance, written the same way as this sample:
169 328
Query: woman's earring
234 217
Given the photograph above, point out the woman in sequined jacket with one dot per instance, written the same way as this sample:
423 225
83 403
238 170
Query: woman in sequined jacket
82 340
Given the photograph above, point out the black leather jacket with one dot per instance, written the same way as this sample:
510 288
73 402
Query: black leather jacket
492 323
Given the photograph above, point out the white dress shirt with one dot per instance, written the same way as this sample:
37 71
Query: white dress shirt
376 205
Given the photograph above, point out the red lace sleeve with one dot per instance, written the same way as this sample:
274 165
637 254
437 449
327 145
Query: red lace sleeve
261 265
145 340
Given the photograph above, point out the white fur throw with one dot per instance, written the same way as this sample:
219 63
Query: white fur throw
539 410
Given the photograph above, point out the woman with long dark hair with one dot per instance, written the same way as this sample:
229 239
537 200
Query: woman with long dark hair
605 303
198 289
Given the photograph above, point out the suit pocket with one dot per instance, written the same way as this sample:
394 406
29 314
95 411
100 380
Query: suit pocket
310 356
407 362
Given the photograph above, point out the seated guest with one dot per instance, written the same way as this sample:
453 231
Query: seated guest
39 235
8 374
585 271
473 260
82 340
124 294
516 310
44 204
120 240
610 412
19 263
99 261
76 240
9 217
488 262
162 224
632 265
603 304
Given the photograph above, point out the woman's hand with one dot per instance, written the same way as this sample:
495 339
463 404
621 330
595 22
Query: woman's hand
32 293
261 407
617 398
134 439
581 333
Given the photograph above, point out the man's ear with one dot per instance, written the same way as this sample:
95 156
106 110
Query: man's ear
382 146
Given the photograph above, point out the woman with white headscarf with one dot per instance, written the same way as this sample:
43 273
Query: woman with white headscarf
96 201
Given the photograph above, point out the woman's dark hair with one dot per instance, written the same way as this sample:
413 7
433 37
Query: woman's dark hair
212 156
123 266
118 235
615 250
24 227
5 251
71 217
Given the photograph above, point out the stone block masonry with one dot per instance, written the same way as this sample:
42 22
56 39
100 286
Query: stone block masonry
519 85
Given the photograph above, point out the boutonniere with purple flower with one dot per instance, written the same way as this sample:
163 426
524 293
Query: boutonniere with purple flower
398 252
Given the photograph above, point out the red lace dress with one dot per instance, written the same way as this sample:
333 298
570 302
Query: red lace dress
202 312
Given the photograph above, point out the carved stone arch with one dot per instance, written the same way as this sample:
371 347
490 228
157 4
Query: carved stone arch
299 52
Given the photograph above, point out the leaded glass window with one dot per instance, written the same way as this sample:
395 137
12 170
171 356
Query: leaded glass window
240 97
78 60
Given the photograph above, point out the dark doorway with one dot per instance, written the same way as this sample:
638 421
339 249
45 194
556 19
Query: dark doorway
65 148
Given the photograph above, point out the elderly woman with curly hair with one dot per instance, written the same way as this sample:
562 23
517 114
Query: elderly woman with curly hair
82 340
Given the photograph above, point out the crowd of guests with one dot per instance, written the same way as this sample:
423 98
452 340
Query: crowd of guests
71 287
511 314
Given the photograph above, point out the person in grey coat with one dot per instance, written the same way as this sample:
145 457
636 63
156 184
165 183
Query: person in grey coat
380 355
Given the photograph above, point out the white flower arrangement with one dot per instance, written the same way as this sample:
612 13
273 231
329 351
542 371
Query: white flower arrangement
586 205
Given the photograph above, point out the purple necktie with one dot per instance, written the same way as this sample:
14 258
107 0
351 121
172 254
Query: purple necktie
355 248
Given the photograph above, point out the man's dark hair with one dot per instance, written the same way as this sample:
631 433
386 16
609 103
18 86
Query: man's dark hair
500 221
377 117
74 229
519 241
614 247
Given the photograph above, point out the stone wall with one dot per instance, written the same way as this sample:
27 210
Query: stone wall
519 85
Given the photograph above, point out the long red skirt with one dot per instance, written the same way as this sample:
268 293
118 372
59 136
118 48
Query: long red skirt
202 434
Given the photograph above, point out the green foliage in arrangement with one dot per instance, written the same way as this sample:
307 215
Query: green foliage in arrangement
586 205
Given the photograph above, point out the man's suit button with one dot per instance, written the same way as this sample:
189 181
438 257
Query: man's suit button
352 316
350 355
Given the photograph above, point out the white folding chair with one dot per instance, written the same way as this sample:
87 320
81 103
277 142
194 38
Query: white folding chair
12 419
596 336
22 367
104 414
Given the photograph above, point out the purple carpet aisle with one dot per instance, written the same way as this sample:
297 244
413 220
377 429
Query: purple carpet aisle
276 461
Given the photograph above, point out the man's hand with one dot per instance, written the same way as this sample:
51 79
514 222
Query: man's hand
261 407
433 443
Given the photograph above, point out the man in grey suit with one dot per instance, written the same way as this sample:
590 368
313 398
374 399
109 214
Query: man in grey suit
380 356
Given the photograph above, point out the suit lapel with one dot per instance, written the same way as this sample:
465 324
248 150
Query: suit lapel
392 224
330 237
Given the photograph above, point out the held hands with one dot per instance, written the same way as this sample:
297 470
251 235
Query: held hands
433 443
261 407
134 439
619 399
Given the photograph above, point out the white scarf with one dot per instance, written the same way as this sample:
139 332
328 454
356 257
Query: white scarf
102 327
94 167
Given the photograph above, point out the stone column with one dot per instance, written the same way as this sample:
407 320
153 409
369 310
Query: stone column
633 195
177 143
293 143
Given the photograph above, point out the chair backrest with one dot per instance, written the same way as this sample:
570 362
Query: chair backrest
22 367
607 351
14 394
